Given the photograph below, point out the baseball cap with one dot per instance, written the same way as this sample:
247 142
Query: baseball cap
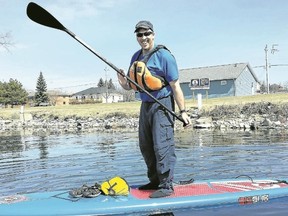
143 25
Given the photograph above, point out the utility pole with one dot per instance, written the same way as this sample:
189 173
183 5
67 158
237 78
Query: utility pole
267 65
106 83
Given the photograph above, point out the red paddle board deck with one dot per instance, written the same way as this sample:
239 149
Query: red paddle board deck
199 194
209 188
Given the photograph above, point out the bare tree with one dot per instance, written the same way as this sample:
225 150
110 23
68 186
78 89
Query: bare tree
6 40
127 95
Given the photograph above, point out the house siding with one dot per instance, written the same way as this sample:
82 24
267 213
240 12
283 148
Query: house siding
215 90
225 80
62 100
245 84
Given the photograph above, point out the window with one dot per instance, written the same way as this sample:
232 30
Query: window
223 82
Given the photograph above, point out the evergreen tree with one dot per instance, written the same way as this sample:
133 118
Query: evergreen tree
41 90
263 87
4 93
101 83
12 93
111 85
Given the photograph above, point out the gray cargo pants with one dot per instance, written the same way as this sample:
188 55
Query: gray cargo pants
156 140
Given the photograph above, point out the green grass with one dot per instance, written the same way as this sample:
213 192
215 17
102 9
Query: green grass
85 110
132 108
210 103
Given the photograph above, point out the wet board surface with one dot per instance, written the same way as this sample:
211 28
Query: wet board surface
198 194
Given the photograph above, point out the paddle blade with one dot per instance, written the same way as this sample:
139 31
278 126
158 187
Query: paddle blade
43 17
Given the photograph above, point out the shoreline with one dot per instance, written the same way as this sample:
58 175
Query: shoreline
255 116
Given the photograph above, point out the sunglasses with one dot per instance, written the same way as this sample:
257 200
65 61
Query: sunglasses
146 34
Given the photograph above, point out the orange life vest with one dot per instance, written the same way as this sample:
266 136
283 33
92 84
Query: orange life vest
139 73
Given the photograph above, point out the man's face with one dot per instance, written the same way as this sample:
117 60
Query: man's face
145 39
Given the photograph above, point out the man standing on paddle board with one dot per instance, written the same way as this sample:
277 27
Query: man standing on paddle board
155 69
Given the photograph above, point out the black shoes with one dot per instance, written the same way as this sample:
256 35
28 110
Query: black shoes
160 192
163 192
149 186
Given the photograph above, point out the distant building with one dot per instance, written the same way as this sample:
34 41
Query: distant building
98 94
219 81
56 98
62 100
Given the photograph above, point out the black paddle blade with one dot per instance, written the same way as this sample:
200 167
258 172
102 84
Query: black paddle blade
43 17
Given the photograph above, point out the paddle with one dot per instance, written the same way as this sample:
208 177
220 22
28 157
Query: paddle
43 17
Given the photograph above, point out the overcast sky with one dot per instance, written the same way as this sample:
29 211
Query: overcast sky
199 33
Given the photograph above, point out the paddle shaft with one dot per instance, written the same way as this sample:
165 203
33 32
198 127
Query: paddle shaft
43 17
119 71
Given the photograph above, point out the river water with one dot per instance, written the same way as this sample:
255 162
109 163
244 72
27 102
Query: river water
33 163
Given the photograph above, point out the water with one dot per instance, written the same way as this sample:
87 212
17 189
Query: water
33 163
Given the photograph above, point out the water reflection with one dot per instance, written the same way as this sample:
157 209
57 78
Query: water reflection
11 144
41 162
230 137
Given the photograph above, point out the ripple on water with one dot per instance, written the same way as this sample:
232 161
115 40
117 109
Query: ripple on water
31 163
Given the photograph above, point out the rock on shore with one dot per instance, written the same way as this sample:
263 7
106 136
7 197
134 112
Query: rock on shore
253 116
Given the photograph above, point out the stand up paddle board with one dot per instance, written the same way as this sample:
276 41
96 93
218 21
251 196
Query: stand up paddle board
198 194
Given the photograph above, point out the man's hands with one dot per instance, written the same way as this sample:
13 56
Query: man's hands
123 80
186 119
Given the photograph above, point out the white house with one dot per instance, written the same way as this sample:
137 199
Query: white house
101 94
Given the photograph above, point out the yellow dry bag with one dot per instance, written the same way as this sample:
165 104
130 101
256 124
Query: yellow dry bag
116 186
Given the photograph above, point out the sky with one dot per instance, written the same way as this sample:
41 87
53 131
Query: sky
198 33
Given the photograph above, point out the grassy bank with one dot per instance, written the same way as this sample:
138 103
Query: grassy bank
85 110
273 98
132 108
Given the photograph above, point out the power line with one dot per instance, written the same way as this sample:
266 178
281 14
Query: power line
263 66
86 84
